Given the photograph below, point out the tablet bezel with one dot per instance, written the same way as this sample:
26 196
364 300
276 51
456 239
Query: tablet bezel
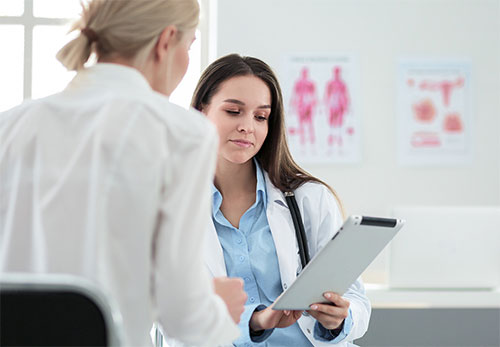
353 247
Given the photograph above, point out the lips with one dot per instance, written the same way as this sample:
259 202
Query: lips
242 143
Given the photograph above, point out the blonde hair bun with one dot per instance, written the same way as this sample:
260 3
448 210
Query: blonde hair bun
127 28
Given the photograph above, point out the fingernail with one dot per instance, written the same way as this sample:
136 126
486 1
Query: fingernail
314 307
328 295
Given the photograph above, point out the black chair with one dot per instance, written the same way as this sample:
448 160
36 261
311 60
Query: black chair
55 310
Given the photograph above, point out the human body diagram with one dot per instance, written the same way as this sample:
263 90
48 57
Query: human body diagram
336 101
330 130
303 103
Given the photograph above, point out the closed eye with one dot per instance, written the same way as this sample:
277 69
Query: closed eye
233 112
261 118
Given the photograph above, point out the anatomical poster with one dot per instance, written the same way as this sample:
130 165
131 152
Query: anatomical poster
321 98
434 120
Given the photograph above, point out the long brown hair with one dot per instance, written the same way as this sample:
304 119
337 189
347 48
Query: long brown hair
274 155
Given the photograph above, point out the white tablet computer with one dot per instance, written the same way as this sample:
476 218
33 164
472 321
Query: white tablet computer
337 266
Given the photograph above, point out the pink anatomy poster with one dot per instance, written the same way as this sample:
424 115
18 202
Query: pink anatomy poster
434 120
322 113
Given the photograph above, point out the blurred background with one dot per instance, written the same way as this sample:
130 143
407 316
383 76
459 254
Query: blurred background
437 284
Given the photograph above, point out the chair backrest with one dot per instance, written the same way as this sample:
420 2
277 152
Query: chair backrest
55 310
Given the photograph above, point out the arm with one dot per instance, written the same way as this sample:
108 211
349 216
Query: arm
247 334
258 322
355 323
347 319
228 289
187 307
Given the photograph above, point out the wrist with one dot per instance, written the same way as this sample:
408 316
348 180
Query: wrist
334 331
257 333
338 329
254 323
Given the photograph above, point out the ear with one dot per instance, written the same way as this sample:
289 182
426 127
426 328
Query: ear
165 41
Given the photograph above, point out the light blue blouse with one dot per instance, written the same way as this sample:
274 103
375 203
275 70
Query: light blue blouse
250 253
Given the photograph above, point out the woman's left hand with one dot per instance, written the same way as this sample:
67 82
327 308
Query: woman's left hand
331 315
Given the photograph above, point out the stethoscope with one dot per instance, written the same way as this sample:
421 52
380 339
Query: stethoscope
300 233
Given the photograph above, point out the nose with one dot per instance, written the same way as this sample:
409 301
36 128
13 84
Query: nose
246 124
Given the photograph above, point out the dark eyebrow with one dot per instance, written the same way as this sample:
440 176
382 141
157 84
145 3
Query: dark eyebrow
241 103
235 101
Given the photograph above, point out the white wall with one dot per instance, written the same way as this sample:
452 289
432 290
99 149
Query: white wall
380 32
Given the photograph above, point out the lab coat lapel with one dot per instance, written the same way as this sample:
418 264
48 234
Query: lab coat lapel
214 257
282 230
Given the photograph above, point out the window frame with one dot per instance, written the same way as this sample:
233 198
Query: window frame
28 21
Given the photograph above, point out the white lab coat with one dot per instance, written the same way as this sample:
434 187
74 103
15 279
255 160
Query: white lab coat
109 181
322 218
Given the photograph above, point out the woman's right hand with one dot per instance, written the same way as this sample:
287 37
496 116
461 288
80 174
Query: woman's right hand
231 291
269 319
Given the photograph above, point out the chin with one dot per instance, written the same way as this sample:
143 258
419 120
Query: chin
239 159
168 88
162 90
168 91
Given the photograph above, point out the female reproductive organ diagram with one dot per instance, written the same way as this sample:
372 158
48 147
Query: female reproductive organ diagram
433 113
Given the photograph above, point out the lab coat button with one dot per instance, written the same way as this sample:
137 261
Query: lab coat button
242 258
308 331
238 241
284 285
252 299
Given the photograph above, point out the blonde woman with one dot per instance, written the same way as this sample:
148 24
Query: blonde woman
109 181
252 235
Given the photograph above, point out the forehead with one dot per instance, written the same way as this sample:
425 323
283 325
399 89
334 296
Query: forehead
249 89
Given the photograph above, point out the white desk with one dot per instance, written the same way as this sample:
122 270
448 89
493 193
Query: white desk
432 318
382 296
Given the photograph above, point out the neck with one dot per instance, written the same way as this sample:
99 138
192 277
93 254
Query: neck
149 70
235 179
116 59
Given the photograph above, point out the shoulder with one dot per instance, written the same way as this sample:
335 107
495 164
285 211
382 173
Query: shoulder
11 117
19 109
188 126
180 129
313 189
319 198
309 193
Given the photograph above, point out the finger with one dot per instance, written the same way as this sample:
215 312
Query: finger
334 311
297 314
336 299
238 282
329 322
277 314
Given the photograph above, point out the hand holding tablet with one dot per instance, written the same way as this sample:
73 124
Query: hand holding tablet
334 268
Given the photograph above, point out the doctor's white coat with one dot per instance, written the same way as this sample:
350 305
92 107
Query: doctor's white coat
322 218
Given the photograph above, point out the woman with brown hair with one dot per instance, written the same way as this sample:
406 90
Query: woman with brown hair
253 235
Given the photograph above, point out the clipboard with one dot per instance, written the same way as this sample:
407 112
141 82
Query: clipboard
340 262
